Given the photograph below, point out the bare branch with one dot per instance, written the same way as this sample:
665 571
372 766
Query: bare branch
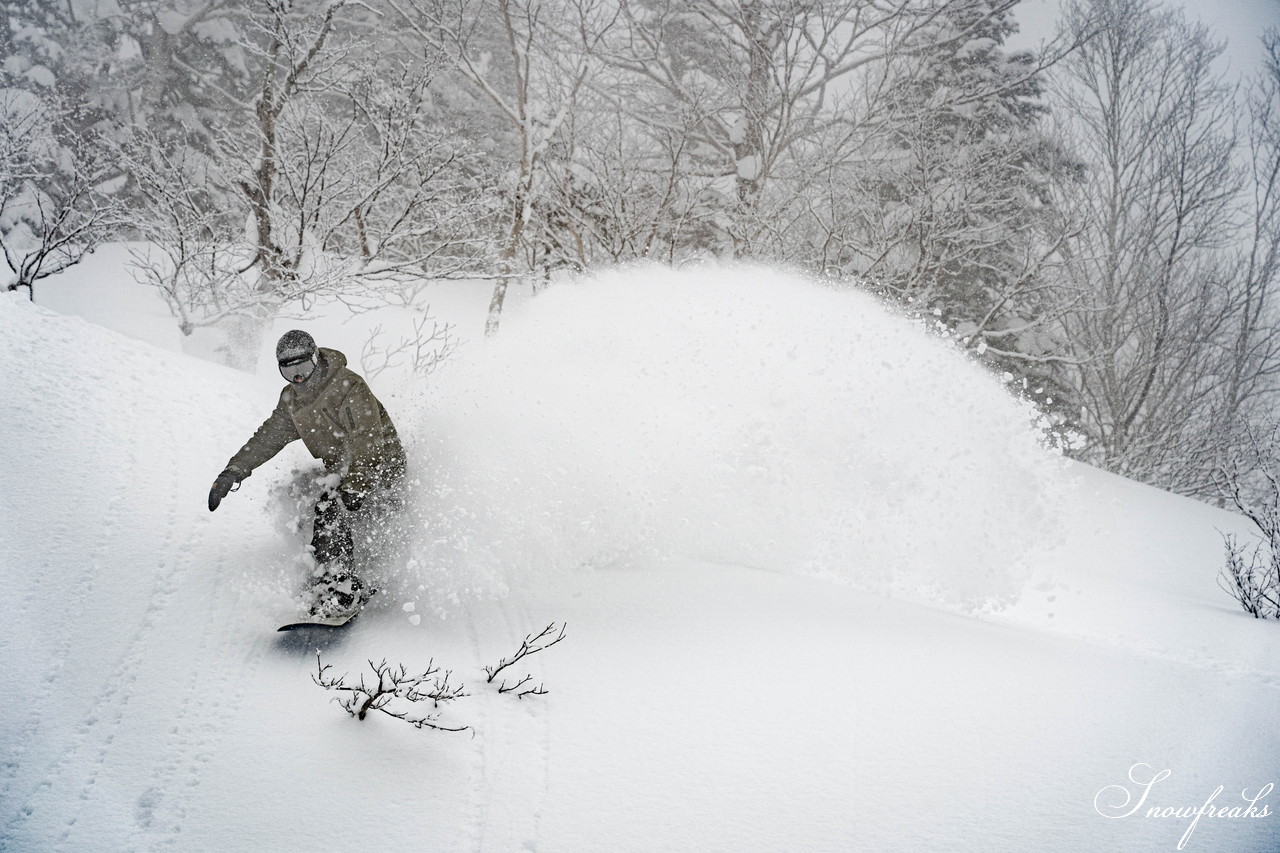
424 352
531 645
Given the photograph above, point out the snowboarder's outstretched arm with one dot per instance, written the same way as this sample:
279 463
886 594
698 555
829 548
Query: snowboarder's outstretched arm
276 431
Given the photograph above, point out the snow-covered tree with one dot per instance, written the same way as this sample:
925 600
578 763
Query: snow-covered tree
772 91
334 174
78 49
58 186
61 71
1177 332
1252 379
514 55
620 191
945 204
192 62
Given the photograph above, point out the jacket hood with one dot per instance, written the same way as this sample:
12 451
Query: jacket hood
331 362
335 360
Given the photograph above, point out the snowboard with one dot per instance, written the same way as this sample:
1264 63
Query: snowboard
330 622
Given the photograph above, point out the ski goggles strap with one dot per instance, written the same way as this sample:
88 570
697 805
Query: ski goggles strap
298 369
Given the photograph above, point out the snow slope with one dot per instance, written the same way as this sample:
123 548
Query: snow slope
822 593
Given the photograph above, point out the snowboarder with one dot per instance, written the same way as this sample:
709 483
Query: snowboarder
341 423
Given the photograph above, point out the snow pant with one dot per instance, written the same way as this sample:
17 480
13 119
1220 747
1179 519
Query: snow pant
335 588
331 540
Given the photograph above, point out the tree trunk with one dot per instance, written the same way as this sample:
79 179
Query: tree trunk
524 181
31 290
748 150
506 261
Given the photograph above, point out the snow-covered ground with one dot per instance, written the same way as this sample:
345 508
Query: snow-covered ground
823 593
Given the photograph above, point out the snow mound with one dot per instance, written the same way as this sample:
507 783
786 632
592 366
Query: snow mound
729 413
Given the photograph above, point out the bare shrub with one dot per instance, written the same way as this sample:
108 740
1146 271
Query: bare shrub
395 683
1250 480
1255 584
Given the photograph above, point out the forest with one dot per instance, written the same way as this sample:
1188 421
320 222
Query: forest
1097 220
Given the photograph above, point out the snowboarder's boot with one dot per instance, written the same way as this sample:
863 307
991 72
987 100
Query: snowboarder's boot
337 593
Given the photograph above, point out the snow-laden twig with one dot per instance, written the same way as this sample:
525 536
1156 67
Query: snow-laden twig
530 645
521 690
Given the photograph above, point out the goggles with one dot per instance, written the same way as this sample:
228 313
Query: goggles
298 370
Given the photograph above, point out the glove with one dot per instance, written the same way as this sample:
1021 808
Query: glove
222 486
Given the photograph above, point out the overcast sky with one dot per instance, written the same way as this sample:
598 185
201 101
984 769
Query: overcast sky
1240 22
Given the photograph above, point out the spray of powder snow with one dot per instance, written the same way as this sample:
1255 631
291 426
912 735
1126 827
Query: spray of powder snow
730 414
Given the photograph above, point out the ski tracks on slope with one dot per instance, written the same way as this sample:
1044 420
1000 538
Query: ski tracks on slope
50 818
220 662
37 716
212 694
511 758
97 734
70 782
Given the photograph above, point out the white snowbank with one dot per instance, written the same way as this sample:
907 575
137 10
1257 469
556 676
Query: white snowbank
733 414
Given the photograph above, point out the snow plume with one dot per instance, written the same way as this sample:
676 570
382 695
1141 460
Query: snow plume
728 414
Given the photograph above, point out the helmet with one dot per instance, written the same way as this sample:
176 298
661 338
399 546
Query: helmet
295 345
